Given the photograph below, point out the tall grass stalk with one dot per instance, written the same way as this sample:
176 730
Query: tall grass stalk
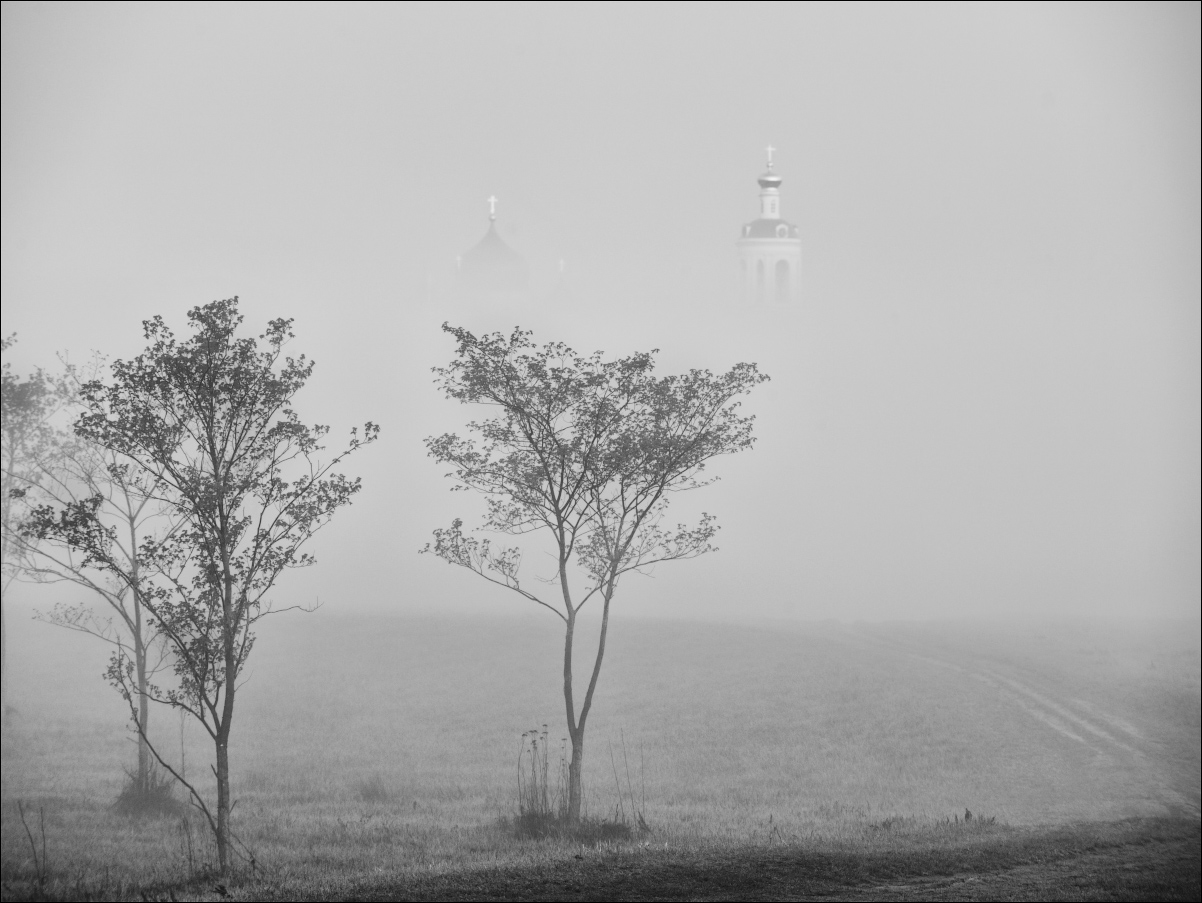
41 865
542 804
638 809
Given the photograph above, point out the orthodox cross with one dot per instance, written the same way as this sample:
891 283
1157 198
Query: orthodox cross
492 207
770 150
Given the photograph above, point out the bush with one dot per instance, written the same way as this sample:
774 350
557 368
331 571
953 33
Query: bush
373 790
153 798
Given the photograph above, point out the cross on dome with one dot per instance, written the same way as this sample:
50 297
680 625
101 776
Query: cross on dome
771 150
492 207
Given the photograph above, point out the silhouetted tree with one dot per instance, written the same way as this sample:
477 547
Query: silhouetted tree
211 419
589 451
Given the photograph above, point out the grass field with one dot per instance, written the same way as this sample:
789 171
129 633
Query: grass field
377 756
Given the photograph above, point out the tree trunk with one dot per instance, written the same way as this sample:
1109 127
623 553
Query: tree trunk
229 632
3 660
6 510
223 800
143 778
575 785
576 736
575 770
3 656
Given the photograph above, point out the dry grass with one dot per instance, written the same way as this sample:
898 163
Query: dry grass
378 750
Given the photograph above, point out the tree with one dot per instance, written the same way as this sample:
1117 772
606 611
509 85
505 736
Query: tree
587 451
211 418
93 500
29 444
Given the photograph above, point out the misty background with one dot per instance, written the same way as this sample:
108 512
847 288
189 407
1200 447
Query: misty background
986 404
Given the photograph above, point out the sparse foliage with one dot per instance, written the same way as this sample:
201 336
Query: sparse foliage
588 451
210 419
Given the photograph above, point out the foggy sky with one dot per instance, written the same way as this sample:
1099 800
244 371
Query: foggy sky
987 401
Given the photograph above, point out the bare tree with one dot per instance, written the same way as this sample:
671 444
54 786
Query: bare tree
30 442
589 452
120 510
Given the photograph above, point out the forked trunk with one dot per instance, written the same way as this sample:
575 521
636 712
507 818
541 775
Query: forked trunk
569 701
576 726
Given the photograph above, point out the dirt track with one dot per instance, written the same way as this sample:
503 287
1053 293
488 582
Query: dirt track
1169 776
1157 870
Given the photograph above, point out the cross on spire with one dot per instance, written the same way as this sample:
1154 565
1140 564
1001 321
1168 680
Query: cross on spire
492 207
771 150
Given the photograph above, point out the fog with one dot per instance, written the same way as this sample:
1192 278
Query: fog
985 403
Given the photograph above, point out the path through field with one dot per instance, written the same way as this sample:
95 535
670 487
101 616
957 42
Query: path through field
1159 757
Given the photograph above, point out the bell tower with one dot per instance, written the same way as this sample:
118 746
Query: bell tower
770 249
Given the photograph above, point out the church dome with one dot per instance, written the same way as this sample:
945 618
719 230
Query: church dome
493 266
770 179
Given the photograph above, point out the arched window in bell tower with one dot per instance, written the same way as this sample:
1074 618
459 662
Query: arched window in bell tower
782 282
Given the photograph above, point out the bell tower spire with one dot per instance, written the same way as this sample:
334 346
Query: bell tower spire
770 190
770 248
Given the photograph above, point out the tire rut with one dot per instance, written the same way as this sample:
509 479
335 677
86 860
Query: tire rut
1108 736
